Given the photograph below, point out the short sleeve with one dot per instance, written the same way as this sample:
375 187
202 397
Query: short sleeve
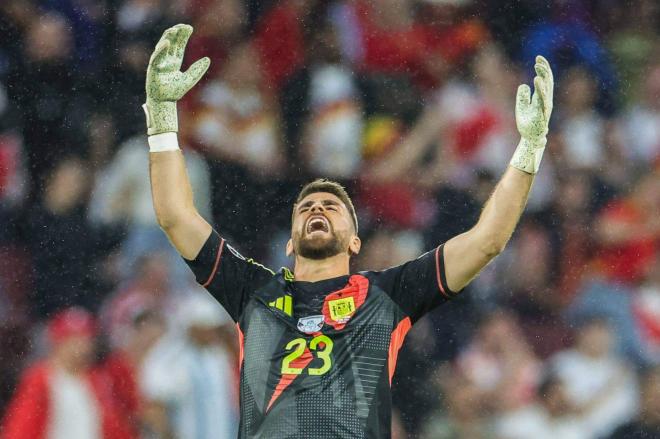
228 275
418 286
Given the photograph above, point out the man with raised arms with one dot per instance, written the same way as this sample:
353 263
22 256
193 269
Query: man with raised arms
319 344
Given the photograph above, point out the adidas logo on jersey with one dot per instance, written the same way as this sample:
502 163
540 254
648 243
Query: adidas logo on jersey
284 304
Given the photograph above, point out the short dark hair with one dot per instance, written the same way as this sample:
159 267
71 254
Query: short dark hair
331 187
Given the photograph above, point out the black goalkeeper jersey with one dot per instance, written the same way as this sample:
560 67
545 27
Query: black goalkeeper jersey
317 358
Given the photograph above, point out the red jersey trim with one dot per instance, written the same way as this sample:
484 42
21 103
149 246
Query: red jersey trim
439 273
287 378
216 265
241 344
357 289
396 341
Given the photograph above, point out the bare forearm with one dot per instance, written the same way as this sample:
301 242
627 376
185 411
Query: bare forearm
170 187
467 253
173 203
503 209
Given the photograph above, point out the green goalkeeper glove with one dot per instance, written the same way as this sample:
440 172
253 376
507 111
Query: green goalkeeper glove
533 117
166 84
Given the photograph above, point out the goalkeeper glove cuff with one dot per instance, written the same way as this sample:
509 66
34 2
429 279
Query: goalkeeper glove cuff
163 142
161 117
528 154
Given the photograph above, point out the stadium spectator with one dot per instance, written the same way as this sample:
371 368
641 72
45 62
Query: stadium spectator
387 37
500 364
645 308
389 189
15 17
149 288
565 34
632 42
12 173
193 375
237 126
322 109
138 15
390 39
121 198
571 216
641 122
551 417
531 292
453 34
88 28
238 121
464 416
53 233
582 132
476 111
598 383
388 248
647 423
63 396
124 364
627 231
219 24
40 88
279 39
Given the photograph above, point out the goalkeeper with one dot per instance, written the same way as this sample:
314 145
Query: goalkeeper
319 344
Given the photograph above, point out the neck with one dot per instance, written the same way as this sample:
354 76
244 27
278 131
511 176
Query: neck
68 366
135 352
312 270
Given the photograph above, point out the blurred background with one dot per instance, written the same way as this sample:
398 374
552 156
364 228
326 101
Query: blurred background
409 103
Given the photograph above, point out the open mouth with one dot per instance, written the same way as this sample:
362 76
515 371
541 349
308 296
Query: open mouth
317 224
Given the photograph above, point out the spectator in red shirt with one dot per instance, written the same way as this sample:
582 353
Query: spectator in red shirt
63 396
279 38
628 232
393 39
123 364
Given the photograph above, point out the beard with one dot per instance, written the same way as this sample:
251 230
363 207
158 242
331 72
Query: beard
319 248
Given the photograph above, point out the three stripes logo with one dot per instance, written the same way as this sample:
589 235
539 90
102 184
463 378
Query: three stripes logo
284 304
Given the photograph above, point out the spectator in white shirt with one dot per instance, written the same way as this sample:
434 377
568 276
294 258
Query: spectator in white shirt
598 383
582 128
551 417
641 123
189 379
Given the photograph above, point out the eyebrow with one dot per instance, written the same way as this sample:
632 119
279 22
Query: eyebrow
327 202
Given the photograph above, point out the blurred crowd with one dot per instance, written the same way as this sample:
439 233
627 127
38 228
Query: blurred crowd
409 103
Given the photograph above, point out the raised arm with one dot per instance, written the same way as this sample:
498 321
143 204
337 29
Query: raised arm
170 186
466 254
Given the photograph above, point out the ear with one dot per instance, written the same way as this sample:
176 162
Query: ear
289 247
354 245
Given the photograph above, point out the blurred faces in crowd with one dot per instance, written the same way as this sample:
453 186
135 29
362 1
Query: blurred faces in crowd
647 423
597 381
192 373
49 39
582 134
238 122
63 396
